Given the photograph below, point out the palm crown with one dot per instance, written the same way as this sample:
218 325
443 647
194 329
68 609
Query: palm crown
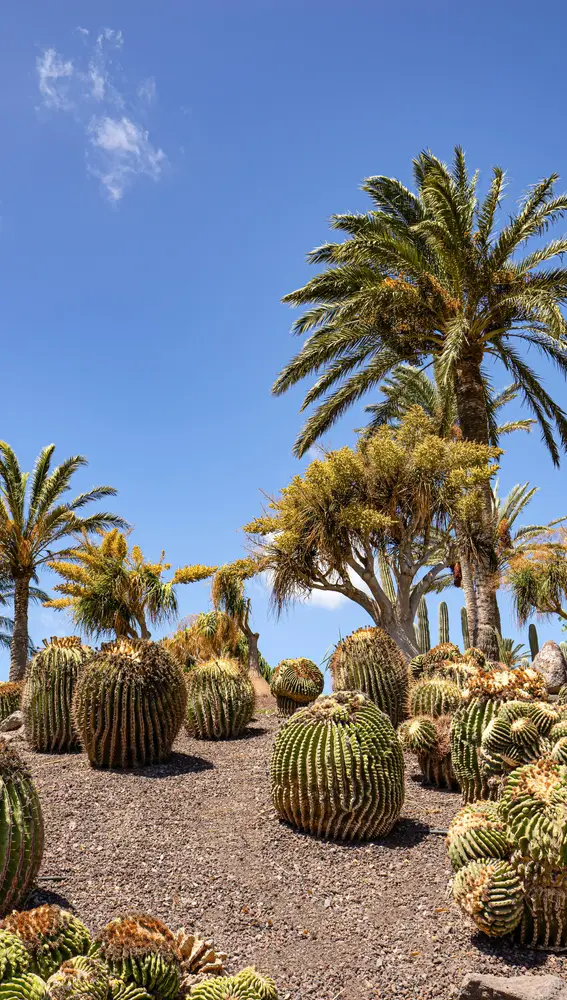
429 275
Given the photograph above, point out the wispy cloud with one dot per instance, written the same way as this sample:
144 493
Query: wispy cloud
111 115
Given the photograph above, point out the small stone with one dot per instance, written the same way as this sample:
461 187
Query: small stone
552 664
484 987
13 721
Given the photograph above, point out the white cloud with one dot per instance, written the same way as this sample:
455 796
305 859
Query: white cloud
54 75
327 599
118 145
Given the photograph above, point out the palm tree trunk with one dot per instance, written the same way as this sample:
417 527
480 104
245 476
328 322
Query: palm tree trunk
473 420
20 638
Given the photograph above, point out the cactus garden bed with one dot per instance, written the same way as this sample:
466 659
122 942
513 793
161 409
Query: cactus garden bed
196 842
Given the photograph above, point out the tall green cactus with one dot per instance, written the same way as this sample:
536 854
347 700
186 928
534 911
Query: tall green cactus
220 700
337 769
51 936
369 661
47 703
424 636
10 697
81 978
465 628
429 739
443 622
142 950
129 704
295 683
21 830
386 578
533 641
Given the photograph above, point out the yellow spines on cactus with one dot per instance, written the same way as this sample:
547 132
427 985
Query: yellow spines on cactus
429 739
295 683
21 830
50 934
80 978
337 769
434 696
129 704
368 660
47 702
140 949
220 700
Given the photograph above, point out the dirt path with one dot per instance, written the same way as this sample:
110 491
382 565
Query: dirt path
196 843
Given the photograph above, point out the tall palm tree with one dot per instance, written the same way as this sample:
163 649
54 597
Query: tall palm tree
432 276
34 519
7 624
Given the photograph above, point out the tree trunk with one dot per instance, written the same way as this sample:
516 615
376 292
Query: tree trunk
264 697
473 420
401 631
20 637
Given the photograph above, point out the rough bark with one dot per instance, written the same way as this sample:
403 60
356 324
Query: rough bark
260 685
20 638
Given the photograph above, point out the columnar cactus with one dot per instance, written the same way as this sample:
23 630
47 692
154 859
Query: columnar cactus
465 628
14 958
485 692
423 633
81 978
28 986
443 623
434 696
129 704
369 661
220 700
50 683
522 888
429 739
337 769
10 697
533 641
21 830
51 936
141 950
295 683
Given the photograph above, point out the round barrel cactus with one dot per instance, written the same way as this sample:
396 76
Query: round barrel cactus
483 696
224 988
294 684
129 704
429 739
81 978
443 652
220 700
50 683
264 988
369 661
337 769
141 950
51 936
14 958
522 887
21 830
434 696
28 986
10 697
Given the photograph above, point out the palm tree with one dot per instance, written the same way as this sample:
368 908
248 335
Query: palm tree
114 591
34 519
7 624
430 277
538 581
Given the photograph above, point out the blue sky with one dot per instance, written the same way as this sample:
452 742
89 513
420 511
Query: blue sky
165 169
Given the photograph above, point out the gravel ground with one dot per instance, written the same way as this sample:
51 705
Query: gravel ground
197 843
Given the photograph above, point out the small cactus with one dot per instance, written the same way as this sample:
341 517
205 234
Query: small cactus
14 958
533 641
562 695
476 832
443 622
337 769
429 739
369 661
119 990
415 666
263 987
465 628
443 652
50 683
10 698
434 696
21 830
141 950
294 684
490 892
220 700
423 633
223 988
80 978
129 704
25 987
51 935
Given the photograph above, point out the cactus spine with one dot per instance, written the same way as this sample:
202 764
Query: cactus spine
50 684
429 739
21 830
369 661
220 700
337 769
424 637
10 697
82 978
295 683
129 704
465 628
51 936
533 641
443 622
434 696
141 950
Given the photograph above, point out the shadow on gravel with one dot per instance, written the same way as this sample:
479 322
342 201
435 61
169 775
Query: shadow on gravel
250 734
407 833
510 953
42 895
178 763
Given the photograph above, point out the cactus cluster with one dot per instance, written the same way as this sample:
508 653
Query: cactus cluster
47 703
369 661
50 935
337 769
429 739
294 684
21 830
511 859
10 697
220 700
141 950
129 704
81 978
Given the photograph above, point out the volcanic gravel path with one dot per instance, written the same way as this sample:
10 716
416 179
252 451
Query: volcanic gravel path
197 843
